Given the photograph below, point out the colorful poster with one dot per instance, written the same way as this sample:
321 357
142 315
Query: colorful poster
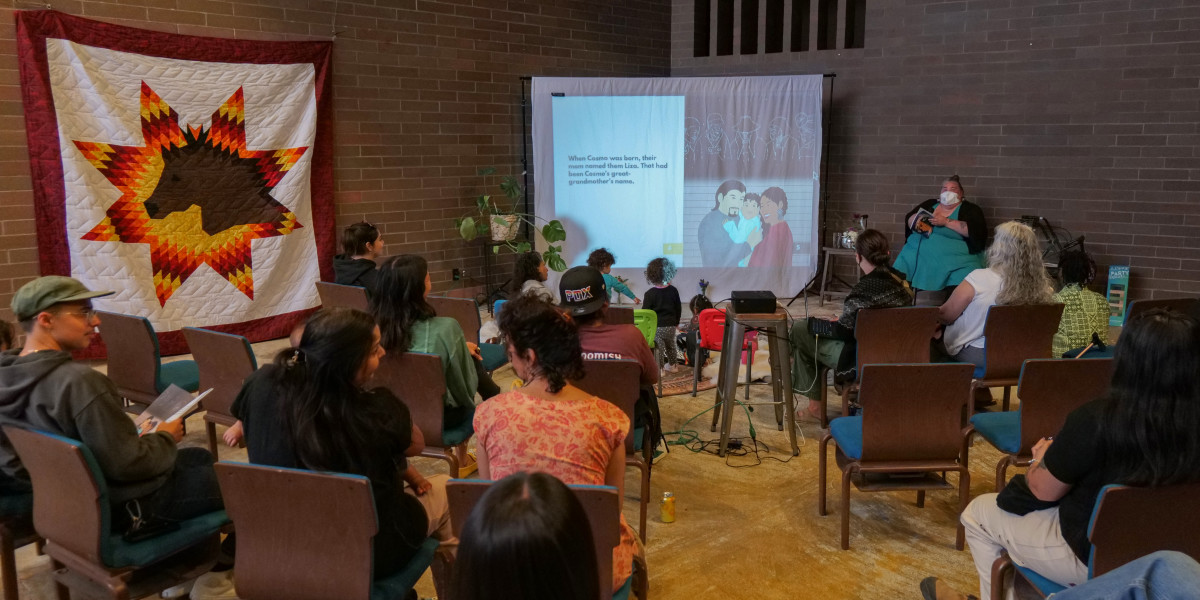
1118 294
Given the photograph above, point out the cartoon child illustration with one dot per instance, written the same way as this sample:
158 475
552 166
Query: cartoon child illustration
739 230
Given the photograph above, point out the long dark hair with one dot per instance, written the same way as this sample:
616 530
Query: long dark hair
399 300
1151 422
331 427
528 539
529 322
356 237
524 269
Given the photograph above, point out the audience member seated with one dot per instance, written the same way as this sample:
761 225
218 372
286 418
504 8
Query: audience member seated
1145 432
549 425
528 538
409 324
879 287
361 245
1014 275
529 277
1159 575
946 246
1085 313
585 298
308 410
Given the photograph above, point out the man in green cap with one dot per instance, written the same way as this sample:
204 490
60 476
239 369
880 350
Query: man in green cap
43 389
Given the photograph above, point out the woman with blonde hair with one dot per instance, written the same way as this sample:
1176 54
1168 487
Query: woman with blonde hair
1014 275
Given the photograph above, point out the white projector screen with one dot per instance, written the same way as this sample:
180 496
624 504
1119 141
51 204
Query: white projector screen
650 167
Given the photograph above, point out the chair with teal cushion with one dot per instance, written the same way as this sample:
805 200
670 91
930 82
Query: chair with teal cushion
305 535
647 322
135 365
1127 523
225 361
72 511
1049 389
617 382
909 435
603 508
417 380
1014 333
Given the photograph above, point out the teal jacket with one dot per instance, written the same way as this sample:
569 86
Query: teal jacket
444 337
613 285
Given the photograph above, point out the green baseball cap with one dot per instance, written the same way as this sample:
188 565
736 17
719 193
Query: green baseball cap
44 292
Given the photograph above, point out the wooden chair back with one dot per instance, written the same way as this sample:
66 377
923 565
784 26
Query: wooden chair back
913 412
894 335
617 382
1131 522
600 502
619 315
1051 388
315 545
463 310
225 361
1187 306
134 360
70 503
1018 333
349 296
417 379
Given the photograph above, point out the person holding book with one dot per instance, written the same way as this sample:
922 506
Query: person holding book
944 239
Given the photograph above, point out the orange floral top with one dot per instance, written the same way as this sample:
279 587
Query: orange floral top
571 440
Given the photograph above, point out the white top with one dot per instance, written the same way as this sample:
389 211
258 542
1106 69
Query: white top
537 288
967 330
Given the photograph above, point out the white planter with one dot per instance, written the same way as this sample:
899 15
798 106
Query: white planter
506 231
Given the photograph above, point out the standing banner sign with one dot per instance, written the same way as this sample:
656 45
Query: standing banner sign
1118 294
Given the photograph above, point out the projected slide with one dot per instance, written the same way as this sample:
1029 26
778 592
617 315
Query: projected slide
718 174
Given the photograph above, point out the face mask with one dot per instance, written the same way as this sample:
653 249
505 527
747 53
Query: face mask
948 199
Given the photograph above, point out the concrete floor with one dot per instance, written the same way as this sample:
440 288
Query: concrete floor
747 526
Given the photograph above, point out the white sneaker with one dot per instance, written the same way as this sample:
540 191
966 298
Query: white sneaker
214 586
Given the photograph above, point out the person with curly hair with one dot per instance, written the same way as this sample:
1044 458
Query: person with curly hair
549 425
602 260
663 299
529 277
1085 313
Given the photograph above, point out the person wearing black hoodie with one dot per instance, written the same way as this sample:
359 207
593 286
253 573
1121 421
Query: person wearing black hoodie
42 388
361 245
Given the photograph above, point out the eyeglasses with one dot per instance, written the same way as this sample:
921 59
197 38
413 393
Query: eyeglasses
87 313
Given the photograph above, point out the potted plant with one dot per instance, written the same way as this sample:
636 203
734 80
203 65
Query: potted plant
502 223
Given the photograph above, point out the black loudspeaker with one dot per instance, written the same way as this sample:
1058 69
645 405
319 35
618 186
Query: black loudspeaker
753 302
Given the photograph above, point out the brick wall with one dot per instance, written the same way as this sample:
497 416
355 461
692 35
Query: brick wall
1083 112
425 93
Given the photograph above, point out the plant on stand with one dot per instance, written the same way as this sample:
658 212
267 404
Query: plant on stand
503 224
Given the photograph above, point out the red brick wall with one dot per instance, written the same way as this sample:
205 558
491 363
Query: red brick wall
1082 112
425 93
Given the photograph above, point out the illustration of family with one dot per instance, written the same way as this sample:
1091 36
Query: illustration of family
746 229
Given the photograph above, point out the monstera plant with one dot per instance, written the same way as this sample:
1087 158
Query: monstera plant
502 221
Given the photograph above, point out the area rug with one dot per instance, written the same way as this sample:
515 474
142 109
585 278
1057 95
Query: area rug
680 382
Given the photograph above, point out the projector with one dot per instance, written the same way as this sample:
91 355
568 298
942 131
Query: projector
753 302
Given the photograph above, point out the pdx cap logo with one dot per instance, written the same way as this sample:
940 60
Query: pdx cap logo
580 295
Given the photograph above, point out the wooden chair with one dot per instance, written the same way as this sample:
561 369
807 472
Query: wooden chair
1049 390
617 315
1187 306
1127 523
911 423
349 296
71 510
617 382
225 361
418 380
603 509
135 365
647 322
466 312
885 336
314 546
1015 334
16 531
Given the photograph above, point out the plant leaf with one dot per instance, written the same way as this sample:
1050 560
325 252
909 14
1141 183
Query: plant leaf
523 247
467 229
495 249
499 220
554 261
554 232
482 202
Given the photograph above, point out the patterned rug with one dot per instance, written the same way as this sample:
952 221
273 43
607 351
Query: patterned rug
680 382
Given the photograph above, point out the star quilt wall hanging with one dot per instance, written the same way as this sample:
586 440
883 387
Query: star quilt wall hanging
193 176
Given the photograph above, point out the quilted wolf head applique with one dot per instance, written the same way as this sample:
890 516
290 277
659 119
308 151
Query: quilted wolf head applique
196 196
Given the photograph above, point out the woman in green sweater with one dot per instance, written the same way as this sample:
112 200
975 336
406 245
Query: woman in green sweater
407 323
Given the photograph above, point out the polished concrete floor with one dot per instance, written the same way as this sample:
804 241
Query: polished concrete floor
747 525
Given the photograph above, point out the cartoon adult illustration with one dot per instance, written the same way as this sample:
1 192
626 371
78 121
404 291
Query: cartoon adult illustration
691 137
739 230
717 249
715 134
776 247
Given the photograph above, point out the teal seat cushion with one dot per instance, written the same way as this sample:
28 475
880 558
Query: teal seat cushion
1043 585
459 433
397 585
848 433
639 433
124 554
493 356
623 593
1002 429
183 373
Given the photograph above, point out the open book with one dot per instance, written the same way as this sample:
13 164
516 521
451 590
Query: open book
923 224
172 404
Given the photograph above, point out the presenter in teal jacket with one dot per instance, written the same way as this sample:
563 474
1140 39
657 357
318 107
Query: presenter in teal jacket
940 251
